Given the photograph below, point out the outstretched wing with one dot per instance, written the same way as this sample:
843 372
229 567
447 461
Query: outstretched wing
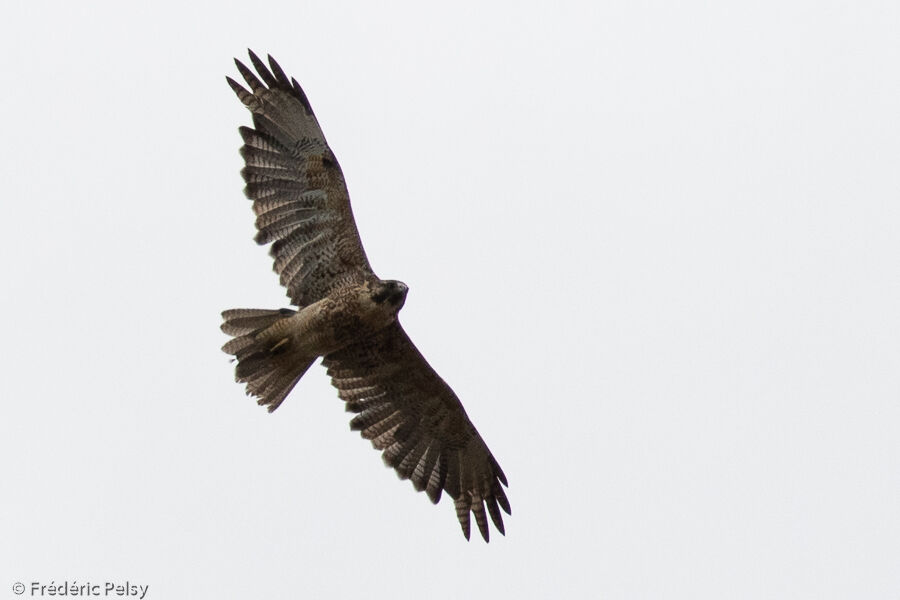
408 411
299 196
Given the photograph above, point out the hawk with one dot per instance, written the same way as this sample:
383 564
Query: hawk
345 313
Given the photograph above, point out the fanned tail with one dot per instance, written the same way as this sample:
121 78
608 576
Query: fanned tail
265 358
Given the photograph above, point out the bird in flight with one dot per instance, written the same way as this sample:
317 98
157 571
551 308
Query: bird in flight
345 313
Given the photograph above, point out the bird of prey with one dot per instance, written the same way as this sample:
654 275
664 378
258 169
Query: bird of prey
345 313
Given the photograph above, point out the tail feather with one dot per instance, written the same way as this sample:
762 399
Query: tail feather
243 321
235 345
266 363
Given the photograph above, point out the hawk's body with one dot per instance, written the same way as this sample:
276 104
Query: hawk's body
346 313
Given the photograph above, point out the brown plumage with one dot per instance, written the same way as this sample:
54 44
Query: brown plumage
346 314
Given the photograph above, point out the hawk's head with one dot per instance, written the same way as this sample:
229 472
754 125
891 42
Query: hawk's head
390 293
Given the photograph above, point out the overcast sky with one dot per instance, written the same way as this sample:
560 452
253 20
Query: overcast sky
653 247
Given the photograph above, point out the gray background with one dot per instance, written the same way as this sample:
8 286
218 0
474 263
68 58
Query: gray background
653 246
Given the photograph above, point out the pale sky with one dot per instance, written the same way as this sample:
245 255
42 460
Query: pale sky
653 246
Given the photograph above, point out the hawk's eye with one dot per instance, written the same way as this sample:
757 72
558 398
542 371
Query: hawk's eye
381 295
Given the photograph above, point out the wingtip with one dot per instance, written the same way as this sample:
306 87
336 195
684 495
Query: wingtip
434 496
486 535
246 98
494 512
234 84
277 71
251 79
